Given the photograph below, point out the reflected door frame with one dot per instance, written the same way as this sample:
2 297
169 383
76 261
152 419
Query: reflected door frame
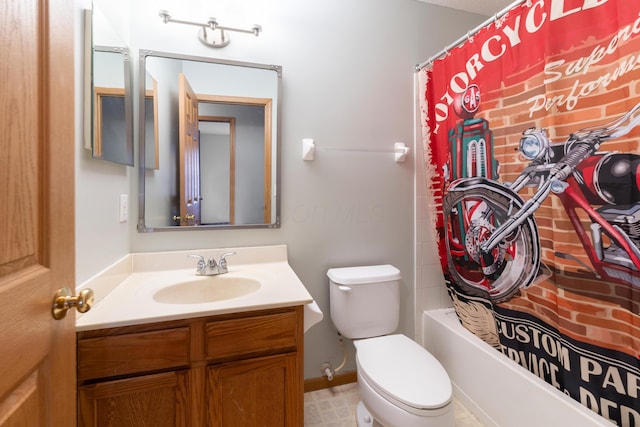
268 132
100 94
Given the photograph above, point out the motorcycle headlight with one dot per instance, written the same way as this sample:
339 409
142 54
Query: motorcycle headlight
533 144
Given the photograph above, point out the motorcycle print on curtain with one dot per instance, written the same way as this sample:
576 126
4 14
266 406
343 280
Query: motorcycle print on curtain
531 130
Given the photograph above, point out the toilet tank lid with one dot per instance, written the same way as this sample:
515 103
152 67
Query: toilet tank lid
363 274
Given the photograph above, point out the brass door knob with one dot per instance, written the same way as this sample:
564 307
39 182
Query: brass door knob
63 300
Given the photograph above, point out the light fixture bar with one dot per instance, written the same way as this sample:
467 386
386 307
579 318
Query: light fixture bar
214 40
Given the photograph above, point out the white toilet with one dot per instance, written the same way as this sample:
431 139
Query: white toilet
401 383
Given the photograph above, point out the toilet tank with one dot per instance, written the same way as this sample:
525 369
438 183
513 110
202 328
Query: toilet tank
365 301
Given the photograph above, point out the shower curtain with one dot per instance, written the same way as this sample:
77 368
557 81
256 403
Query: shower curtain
531 130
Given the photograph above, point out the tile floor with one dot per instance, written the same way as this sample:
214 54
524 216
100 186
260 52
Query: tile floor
336 407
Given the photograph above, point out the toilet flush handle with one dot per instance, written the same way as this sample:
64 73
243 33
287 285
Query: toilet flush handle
343 288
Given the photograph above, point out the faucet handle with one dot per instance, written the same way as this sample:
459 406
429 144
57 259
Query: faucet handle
201 263
223 259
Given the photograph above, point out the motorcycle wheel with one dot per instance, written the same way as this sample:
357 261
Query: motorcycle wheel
471 215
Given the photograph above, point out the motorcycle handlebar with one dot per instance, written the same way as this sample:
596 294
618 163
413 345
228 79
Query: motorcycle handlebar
632 123
569 162
613 129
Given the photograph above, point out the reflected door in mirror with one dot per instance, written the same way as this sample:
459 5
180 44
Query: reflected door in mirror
189 155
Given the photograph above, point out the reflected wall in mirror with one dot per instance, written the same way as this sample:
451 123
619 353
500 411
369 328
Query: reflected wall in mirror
217 144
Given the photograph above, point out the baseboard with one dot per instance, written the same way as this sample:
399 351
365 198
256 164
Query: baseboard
319 383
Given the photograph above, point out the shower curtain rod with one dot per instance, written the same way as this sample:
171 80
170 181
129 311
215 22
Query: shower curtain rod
469 34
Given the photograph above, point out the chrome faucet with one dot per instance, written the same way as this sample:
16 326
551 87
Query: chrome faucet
211 267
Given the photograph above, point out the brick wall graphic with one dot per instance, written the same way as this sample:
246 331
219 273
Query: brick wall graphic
562 286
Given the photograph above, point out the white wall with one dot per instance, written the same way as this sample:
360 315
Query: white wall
348 70
100 237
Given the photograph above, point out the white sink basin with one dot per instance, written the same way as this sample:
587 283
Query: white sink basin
207 289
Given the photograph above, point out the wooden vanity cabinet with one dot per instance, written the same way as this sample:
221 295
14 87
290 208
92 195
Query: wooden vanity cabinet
230 370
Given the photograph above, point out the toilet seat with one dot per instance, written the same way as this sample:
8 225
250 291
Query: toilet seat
403 372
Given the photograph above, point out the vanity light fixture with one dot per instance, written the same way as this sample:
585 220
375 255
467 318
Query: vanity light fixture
211 33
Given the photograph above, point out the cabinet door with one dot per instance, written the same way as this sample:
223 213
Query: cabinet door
255 392
147 401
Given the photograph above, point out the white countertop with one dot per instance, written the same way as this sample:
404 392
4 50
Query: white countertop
124 291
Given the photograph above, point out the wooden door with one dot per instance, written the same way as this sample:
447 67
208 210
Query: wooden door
37 353
189 154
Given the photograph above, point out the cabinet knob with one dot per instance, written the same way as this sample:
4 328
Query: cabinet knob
63 300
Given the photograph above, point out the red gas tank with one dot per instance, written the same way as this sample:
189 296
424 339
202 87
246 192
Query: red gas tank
610 178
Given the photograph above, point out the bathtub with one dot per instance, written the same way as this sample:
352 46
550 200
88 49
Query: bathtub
495 389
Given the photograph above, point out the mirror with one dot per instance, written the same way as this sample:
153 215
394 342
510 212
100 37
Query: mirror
213 159
108 100
112 115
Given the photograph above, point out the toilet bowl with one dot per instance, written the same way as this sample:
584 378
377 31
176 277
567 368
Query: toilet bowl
401 383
